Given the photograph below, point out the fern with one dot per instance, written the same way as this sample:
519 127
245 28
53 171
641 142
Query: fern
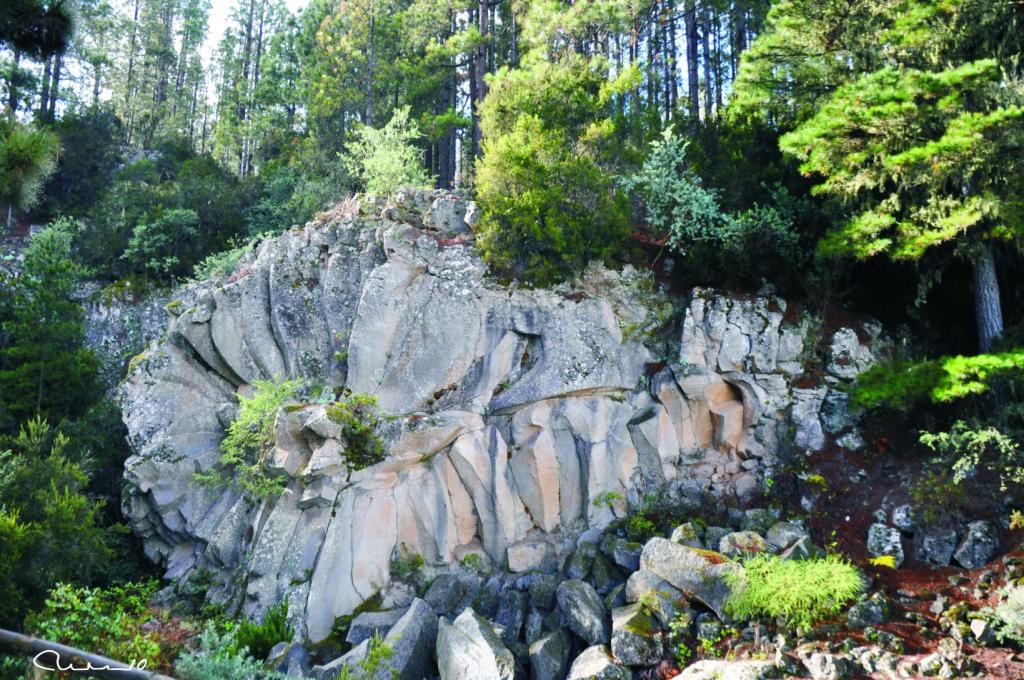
801 592
260 638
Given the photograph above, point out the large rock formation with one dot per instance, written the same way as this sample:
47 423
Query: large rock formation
510 410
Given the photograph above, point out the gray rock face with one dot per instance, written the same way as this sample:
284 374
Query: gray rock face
583 610
699 573
549 657
784 534
596 663
978 546
512 410
412 640
742 543
468 649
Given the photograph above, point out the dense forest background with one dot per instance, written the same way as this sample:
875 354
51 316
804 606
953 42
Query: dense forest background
865 155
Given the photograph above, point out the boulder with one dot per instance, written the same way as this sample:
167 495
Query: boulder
759 520
596 663
784 534
687 534
549 657
868 611
701 574
469 649
625 554
366 625
453 591
824 666
584 612
636 636
661 596
742 543
717 669
511 613
531 555
979 545
412 639
803 549
936 545
542 591
885 540
903 518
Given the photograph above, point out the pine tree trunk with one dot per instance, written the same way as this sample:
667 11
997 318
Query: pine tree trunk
706 47
51 112
692 39
44 90
987 306
12 82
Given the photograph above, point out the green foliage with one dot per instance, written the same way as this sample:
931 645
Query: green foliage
260 638
548 202
936 494
107 621
913 191
802 592
1008 614
971 450
387 159
678 207
357 414
608 499
250 438
88 160
407 566
44 367
27 157
50 525
219 658
223 264
903 384
155 247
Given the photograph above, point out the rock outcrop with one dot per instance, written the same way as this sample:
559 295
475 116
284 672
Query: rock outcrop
516 418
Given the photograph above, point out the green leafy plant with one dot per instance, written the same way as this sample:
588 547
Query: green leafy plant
250 438
608 499
802 592
679 629
358 417
407 566
260 638
985 448
107 621
387 159
218 656
1008 614
378 654
935 493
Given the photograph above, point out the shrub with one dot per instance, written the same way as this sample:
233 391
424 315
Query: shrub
970 449
1009 614
548 203
250 438
219 658
260 638
387 159
108 621
357 415
223 264
157 247
801 591
377 656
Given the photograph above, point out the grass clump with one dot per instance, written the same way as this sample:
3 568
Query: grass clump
250 438
801 592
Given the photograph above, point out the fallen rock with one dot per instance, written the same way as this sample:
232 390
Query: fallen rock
664 599
511 612
699 573
885 540
717 669
903 518
549 657
412 639
636 636
367 624
936 545
978 547
453 591
784 534
596 663
742 543
803 549
583 610
687 534
825 666
869 611
469 649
